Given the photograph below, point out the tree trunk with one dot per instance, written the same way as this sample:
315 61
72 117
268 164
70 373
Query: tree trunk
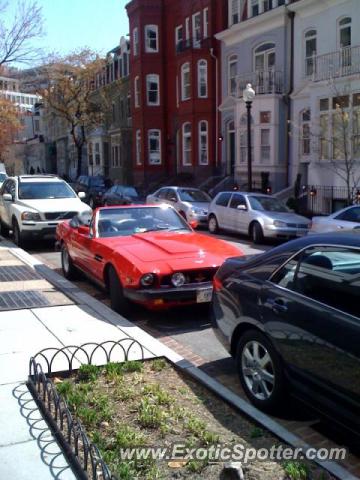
79 160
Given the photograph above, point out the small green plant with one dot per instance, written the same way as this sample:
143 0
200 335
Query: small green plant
125 392
88 373
182 390
127 437
296 470
113 371
64 388
158 364
88 416
150 415
132 366
256 432
196 466
198 428
159 396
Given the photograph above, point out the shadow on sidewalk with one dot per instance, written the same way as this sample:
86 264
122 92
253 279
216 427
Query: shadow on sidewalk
50 452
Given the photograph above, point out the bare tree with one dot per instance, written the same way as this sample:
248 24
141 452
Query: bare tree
69 95
17 36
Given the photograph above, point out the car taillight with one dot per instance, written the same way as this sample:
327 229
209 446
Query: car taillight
217 284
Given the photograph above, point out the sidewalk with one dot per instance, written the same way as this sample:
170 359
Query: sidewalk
41 309
36 315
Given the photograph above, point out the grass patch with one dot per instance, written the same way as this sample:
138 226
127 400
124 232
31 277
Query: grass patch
136 404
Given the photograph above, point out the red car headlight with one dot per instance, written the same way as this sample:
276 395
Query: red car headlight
147 280
178 279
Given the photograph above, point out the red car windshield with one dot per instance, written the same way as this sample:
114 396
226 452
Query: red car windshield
119 222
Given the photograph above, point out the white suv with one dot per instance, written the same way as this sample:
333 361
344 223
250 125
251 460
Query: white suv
32 206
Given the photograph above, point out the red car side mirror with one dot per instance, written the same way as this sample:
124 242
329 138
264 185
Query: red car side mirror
83 230
194 223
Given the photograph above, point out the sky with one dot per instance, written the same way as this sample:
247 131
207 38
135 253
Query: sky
69 24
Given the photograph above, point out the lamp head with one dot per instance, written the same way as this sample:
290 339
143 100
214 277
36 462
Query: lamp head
248 93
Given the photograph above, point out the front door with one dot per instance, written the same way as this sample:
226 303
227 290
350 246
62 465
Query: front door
311 311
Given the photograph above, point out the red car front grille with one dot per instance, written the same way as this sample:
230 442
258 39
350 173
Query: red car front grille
192 276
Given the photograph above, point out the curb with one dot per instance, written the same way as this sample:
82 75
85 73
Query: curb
155 347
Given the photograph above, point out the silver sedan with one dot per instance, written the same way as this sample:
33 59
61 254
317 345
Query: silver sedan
255 214
347 218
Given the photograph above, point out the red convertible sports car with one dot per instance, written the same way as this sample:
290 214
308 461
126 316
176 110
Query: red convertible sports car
145 254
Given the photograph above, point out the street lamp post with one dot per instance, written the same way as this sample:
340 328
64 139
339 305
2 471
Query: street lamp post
248 96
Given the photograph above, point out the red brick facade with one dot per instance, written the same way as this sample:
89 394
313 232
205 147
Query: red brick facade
184 37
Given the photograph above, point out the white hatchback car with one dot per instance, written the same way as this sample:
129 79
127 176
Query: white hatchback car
32 206
347 218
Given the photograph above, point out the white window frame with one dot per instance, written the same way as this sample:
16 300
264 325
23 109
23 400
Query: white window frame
234 13
187 28
138 147
206 22
310 62
179 41
135 41
203 134
155 155
202 77
232 59
305 146
186 152
265 148
148 29
152 78
196 32
137 91
185 86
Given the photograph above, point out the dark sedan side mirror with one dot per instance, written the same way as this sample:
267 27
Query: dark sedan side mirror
84 230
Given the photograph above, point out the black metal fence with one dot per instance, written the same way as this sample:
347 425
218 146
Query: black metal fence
324 200
83 456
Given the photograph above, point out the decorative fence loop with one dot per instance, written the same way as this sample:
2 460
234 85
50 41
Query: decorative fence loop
84 457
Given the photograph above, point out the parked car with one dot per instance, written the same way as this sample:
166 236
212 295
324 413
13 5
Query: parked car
33 205
347 218
94 188
143 254
121 195
256 215
191 203
291 319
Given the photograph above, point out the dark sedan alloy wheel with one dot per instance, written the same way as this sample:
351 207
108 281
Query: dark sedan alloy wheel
260 371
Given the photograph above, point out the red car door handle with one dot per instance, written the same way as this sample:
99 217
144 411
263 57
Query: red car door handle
98 258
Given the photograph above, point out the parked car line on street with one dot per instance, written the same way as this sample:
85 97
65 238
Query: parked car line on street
256 215
33 205
291 319
143 254
191 203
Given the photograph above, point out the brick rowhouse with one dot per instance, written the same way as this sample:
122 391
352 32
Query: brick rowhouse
175 83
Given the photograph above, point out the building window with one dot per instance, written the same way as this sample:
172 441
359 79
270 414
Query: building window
265 117
137 92
265 145
234 12
254 8
205 22
202 79
187 28
196 29
356 125
138 147
345 41
324 131
243 138
187 144
154 146
185 82
203 143
151 38
305 132
97 153
135 41
90 154
232 74
310 52
152 89
179 38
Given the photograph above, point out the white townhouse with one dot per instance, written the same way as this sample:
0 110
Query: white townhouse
325 100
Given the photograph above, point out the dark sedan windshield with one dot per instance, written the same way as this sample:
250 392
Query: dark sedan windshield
97 182
120 222
44 190
194 196
130 192
267 204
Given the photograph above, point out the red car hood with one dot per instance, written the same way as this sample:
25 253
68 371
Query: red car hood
172 246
